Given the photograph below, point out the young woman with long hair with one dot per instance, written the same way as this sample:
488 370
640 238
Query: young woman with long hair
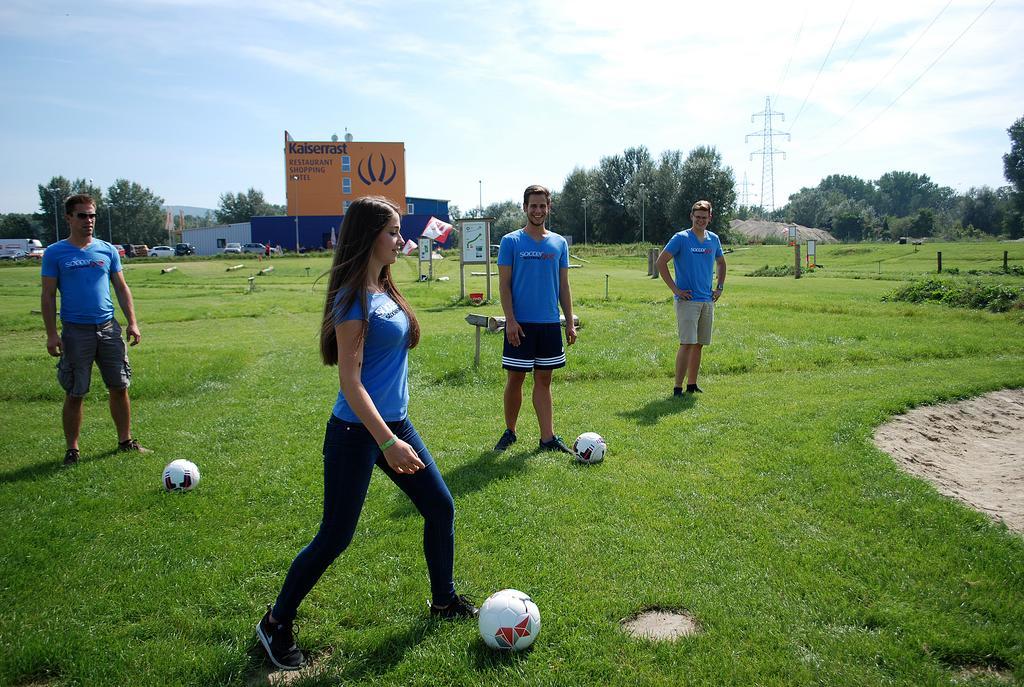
367 331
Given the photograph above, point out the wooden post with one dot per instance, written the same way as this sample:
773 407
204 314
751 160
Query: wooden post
939 254
476 356
1006 264
796 263
650 263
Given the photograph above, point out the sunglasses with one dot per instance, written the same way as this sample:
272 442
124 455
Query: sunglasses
85 215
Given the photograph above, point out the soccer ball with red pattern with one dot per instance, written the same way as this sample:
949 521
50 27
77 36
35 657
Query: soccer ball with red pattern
509 620
589 447
180 475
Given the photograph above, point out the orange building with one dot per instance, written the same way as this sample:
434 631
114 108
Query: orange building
323 177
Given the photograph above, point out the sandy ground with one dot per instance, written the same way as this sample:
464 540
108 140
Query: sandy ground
972 451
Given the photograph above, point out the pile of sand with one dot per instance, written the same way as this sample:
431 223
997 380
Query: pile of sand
972 451
758 230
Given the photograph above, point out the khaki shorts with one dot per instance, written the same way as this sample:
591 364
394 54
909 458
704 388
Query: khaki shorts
84 344
695 320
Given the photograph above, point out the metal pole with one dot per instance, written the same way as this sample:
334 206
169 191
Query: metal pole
481 200
643 213
296 234
56 227
110 225
584 221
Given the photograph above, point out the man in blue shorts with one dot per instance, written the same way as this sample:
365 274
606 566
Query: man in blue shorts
533 276
83 268
697 256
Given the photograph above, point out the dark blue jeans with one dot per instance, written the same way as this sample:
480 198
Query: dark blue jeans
350 452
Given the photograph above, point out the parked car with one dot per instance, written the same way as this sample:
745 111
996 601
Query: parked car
136 250
119 248
233 248
184 249
13 255
258 248
36 253
161 252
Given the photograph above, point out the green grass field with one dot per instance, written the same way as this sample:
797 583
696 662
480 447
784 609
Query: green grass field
760 507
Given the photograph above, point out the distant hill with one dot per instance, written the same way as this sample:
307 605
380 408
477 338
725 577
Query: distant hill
188 210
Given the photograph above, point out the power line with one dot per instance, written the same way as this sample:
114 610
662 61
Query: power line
822 67
921 75
857 48
796 43
890 70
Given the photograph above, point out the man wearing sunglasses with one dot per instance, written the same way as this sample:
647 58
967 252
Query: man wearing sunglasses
83 268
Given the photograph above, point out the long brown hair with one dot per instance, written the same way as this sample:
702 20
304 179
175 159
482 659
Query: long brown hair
364 220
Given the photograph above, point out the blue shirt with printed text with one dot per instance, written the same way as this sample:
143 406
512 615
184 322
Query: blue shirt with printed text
385 371
694 262
83 279
536 271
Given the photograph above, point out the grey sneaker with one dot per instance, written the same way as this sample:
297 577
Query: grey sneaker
555 444
279 641
506 440
71 456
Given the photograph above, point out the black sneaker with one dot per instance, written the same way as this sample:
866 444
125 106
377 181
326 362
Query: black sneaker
279 641
132 445
693 389
555 444
506 440
71 456
460 607
677 391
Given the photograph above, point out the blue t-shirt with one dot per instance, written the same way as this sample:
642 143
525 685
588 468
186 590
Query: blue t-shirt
694 262
536 269
83 278
385 373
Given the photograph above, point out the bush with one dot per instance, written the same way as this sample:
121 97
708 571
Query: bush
965 294
777 271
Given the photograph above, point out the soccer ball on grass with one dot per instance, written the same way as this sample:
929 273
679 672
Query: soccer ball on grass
589 447
180 475
509 620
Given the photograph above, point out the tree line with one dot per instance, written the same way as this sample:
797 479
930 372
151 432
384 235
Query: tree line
632 196
624 199
127 213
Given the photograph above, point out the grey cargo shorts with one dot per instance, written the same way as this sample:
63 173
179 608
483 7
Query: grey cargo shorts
85 343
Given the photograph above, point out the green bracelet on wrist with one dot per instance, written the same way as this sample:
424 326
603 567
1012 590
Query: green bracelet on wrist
389 443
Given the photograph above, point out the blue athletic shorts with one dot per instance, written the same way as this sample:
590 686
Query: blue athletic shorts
540 348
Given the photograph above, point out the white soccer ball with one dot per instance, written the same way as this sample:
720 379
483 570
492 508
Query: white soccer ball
180 475
589 447
509 620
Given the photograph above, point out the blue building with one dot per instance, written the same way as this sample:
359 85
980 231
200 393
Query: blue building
314 231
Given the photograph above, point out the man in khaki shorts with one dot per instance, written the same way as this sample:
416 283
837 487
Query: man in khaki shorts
83 268
697 255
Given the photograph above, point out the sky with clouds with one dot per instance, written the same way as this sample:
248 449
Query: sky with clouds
191 98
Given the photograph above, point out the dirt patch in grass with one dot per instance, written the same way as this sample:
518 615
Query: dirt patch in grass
660 624
983 675
972 451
